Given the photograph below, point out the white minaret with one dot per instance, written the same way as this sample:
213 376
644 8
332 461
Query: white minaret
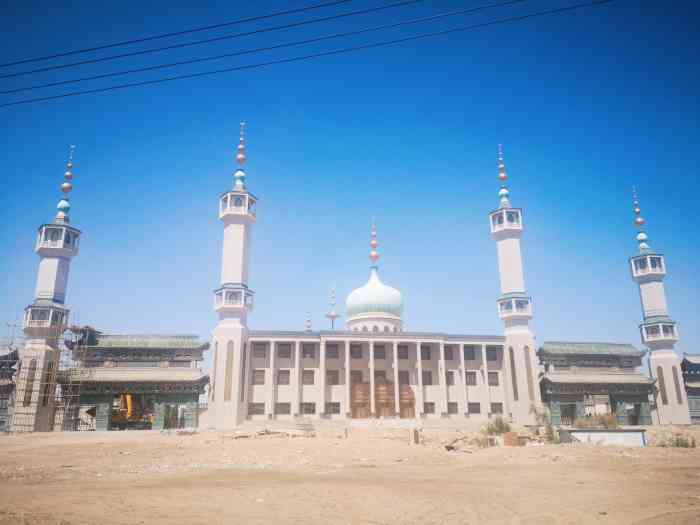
658 331
232 301
332 315
515 309
46 318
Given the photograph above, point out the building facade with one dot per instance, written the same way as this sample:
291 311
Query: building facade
691 379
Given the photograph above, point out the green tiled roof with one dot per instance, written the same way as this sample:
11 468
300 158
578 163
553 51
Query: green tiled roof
148 341
569 348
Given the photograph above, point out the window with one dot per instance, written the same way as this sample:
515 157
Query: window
470 377
427 378
528 374
428 408
29 386
259 351
380 375
402 352
492 353
284 351
379 352
228 378
375 328
656 263
493 378
469 353
449 378
224 203
403 377
425 353
258 377
332 408
474 408
386 328
356 351
356 376
307 377
238 202
497 408
283 409
676 382
256 409
662 385
308 351
283 377
67 239
332 351
452 408
513 377
49 381
449 354
333 377
308 408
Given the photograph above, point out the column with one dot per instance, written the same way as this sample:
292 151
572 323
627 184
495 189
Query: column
442 372
270 386
296 405
463 379
485 378
322 371
419 397
397 406
348 408
372 401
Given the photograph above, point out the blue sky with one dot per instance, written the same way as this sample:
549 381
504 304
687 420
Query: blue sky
586 104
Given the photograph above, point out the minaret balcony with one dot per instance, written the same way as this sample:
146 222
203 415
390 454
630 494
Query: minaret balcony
648 267
506 222
45 321
233 297
656 332
57 240
237 204
515 306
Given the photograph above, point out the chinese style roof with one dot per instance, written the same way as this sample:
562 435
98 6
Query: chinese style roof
110 341
593 378
139 375
693 359
569 348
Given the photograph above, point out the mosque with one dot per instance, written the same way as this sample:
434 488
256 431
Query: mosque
376 367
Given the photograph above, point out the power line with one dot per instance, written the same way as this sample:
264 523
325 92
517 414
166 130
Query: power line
215 39
315 55
269 48
177 33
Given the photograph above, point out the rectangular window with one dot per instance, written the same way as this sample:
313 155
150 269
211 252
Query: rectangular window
403 377
356 351
493 378
379 352
402 352
427 378
449 354
449 378
452 408
470 377
497 408
228 379
258 377
380 375
332 351
469 353
283 377
492 353
333 377
356 376
474 408
307 377
283 409
425 353
428 408
259 350
256 409
332 408
284 350
308 408
308 351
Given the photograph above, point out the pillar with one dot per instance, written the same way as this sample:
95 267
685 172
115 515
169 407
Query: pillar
397 405
270 385
442 372
463 380
296 408
372 400
485 379
348 407
419 397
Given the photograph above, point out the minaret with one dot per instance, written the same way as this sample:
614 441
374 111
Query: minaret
659 333
332 315
232 301
514 308
45 320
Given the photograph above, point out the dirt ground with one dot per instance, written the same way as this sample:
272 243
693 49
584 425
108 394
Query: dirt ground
215 478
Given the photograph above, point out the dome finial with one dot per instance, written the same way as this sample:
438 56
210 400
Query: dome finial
239 175
503 193
373 254
639 221
63 204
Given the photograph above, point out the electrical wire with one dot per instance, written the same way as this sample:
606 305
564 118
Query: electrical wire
214 39
315 55
269 48
177 33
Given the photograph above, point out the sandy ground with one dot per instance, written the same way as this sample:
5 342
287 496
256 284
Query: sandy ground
213 478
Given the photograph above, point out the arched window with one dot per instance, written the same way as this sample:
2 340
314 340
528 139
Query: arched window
528 372
229 371
396 329
662 384
67 239
677 384
364 329
386 328
29 385
212 389
54 235
238 203
375 328
511 358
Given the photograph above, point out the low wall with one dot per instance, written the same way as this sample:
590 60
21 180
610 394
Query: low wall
621 437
